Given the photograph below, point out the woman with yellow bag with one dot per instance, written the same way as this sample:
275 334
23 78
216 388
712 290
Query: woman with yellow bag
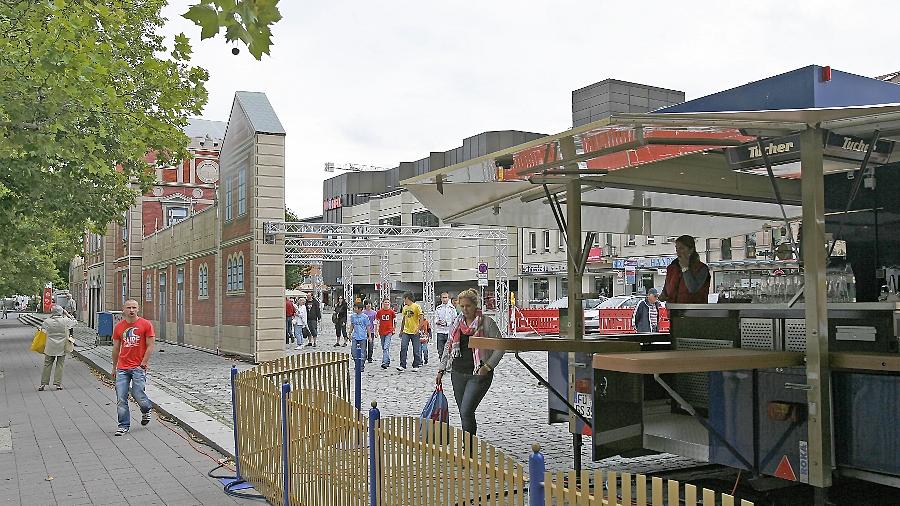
57 327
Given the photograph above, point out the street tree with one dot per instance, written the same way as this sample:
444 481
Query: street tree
294 274
91 102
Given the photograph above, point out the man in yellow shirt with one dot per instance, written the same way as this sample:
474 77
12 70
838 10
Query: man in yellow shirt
409 332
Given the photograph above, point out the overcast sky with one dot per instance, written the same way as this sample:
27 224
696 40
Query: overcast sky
378 83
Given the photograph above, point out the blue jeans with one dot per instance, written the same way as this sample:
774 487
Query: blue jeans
386 350
289 329
424 351
359 350
441 344
298 333
469 390
135 380
405 340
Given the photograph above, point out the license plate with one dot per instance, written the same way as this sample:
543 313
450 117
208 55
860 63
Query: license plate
584 404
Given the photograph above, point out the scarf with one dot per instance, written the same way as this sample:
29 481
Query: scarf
457 330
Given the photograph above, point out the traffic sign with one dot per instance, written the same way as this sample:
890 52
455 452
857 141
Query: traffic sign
482 268
482 282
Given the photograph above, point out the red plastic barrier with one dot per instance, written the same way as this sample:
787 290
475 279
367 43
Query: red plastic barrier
542 320
612 321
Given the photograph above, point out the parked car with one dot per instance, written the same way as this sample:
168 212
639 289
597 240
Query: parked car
592 316
563 303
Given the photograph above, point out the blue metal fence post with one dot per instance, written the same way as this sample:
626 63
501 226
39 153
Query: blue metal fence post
357 357
237 461
285 464
374 417
536 470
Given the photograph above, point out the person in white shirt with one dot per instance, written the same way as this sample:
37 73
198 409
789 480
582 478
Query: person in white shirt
444 315
300 330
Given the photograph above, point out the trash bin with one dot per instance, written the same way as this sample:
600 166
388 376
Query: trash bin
106 321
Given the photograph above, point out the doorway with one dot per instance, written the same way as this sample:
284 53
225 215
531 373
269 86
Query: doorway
179 304
163 305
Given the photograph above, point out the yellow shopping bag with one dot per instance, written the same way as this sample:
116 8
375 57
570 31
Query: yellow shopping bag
40 339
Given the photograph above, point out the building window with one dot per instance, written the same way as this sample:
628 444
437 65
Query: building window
651 240
532 241
546 241
424 219
203 281
540 290
228 183
125 226
175 214
596 240
124 287
239 282
393 221
148 290
631 240
242 192
670 239
750 245
562 241
726 249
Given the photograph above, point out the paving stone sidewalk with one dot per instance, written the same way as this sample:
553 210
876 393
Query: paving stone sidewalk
512 416
68 435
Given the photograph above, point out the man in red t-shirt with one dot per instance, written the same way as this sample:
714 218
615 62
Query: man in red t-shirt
385 318
133 342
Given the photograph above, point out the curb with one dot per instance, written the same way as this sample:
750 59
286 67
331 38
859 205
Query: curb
214 434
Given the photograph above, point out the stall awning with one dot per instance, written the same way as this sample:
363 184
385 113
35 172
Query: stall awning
667 173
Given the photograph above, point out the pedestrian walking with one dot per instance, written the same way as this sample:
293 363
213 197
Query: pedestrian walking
313 317
368 311
300 319
340 321
58 328
444 316
133 343
5 310
362 330
289 312
472 369
424 338
385 317
71 308
409 332
646 314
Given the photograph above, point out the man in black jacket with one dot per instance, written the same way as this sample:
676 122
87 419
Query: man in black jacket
646 313
313 317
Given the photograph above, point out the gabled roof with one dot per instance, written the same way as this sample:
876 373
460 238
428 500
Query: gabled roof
259 112
803 88
197 127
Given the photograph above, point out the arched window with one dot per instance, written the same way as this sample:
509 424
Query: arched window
203 281
230 274
240 272
148 290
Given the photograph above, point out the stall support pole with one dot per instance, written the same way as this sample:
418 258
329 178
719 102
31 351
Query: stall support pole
576 308
818 374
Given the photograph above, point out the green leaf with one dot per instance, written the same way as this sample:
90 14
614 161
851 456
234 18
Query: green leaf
206 17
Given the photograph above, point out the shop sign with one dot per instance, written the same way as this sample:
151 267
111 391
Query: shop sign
786 149
595 255
332 203
630 274
542 268
642 262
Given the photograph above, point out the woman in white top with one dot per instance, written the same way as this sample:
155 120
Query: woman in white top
299 322
57 327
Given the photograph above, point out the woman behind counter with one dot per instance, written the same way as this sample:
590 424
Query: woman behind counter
687 278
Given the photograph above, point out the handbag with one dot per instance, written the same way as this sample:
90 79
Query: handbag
437 408
306 333
70 344
39 341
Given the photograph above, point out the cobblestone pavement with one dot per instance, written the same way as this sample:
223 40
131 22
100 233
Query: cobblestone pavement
512 416
57 447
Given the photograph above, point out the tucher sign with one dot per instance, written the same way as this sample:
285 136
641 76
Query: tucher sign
783 150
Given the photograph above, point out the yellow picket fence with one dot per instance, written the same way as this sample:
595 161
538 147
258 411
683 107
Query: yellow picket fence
417 462
608 488
424 463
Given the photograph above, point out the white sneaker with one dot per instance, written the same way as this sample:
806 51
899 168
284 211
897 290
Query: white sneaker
415 369
299 347
401 369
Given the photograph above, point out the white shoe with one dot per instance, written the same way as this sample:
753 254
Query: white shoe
415 369
401 369
299 347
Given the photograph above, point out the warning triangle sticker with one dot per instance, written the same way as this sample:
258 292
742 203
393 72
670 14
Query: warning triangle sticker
784 470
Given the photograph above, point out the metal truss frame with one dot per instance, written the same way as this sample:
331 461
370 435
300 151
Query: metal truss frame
314 243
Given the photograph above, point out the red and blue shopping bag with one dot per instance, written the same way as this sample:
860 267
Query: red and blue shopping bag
437 408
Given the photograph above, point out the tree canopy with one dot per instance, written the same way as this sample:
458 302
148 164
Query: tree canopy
247 21
87 90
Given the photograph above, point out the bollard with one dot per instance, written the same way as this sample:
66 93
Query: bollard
285 464
237 461
374 417
357 358
536 470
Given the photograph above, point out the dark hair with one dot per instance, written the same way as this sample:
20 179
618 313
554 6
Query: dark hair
688 241
358 305
409 296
